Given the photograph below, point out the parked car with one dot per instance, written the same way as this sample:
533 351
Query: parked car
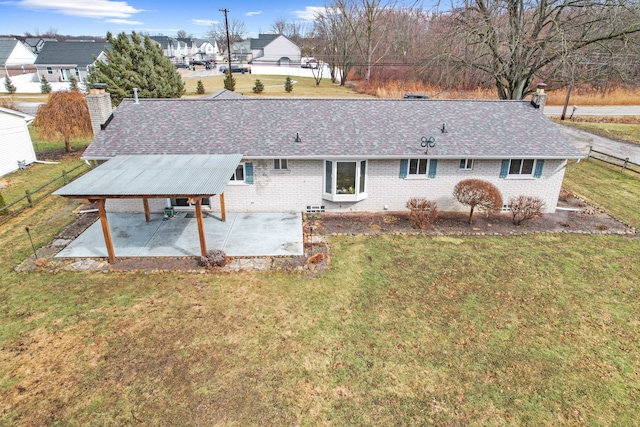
197 62
182 65
310 64
236 68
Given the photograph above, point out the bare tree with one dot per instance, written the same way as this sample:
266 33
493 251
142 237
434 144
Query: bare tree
513 42
181 34
336 43
237 33
363 18
64 116
477 193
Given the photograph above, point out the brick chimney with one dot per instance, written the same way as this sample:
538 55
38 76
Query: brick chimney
100 108
539 98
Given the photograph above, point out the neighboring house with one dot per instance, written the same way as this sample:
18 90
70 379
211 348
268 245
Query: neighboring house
14 56
16 148
36 43
169 46
275 49
59 61
207 50
241 51
346 154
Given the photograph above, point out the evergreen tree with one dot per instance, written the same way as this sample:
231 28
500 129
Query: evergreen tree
136 62
8 85
200 88
259 87
73 84
229 84
45 87
288 85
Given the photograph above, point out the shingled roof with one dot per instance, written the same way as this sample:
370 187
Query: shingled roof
76 53
331 128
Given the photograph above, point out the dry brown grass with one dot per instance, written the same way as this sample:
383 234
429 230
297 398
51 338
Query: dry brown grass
579 96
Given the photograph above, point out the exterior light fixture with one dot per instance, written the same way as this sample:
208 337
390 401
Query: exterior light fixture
427 142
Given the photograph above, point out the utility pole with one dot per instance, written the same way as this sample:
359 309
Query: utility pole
226 24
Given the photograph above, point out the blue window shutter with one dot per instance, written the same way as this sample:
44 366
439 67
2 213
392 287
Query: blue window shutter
505 168
433 165
404 168
538 171
248 173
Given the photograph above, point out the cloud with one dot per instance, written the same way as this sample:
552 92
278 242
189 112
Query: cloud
253 13
309 12
124 21
85 8
205 22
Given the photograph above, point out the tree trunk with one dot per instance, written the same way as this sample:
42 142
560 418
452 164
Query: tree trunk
67 144
471 215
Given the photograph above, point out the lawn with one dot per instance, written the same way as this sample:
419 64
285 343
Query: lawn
403 330
273 86
617 193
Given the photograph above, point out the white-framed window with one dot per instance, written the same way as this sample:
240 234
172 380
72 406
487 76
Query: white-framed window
345 180
49 70
280 164
238 174
521 167
243 174
418 167
466 164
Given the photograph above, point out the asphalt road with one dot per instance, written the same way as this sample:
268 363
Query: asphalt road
612 110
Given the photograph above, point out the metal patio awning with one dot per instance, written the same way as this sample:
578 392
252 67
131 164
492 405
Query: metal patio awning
155 176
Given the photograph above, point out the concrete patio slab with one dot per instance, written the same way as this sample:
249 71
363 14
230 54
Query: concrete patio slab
243 234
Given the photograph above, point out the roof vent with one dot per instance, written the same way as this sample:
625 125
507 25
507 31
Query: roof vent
297 138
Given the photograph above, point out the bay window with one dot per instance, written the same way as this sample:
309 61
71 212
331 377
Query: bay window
345 180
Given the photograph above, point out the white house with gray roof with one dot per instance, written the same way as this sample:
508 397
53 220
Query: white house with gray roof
60 61
346 154
274 49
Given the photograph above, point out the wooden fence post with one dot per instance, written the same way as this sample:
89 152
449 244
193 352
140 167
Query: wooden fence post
590 148
626 162
29 199
65 177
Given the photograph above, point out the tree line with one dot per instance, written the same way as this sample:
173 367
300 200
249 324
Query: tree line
505 44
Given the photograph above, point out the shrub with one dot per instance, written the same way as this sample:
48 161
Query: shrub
288 85
525 207
9 86
477 193
8 103
422 212
258 87
214 258
229 83
73 84
45 86
200 88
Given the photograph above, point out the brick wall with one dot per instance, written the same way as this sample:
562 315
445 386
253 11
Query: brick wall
302 185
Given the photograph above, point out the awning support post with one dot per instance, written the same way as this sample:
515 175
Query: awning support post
147 215
203 242
223 213
106 231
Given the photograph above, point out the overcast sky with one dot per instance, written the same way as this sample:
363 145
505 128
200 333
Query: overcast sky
96 17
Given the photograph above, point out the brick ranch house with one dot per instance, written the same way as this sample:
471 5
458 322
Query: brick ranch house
342 154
